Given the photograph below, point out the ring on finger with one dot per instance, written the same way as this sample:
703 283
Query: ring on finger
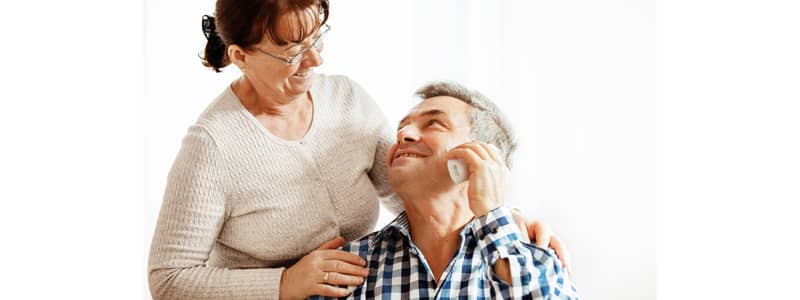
325 277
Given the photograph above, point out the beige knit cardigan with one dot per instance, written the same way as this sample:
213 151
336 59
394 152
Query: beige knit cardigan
242 204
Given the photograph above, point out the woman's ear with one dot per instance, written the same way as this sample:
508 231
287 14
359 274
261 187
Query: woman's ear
237 56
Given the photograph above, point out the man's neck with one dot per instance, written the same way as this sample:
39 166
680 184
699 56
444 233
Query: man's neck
435 222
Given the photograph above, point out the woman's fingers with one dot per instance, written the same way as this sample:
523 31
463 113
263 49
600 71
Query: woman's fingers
344 256
343 267
541 233
521 223
343 279
562 253
329 291
321 271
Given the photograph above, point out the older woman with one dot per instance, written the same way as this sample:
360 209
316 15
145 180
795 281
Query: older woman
284 166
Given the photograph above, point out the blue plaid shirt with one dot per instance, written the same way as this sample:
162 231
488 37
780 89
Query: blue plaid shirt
398 270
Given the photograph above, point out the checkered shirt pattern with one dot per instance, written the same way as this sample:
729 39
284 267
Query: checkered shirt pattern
398 270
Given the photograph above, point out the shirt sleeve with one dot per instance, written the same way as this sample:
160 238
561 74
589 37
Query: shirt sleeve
191 216
385 137
535 272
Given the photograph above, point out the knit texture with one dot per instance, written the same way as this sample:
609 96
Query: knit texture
242 204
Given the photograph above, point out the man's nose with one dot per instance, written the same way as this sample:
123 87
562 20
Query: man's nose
407 134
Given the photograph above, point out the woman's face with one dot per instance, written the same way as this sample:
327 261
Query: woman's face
267 69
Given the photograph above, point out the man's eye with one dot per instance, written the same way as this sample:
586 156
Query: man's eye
434 122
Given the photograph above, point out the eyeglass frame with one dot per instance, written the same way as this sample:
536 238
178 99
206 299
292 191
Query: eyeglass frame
293 60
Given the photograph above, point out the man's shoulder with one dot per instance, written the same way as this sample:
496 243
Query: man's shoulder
361 245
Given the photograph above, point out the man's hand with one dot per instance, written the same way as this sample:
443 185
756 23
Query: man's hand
544 237
487 182
487 175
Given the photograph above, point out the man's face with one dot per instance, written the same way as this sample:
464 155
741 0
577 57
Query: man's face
428 131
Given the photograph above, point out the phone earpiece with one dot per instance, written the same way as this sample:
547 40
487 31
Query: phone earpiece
458 170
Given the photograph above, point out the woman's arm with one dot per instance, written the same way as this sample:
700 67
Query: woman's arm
191 216
385 137
380 172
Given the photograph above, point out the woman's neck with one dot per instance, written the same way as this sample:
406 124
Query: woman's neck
287 119
265 103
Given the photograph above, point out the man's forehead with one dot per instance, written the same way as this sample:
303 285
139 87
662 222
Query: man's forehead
447 105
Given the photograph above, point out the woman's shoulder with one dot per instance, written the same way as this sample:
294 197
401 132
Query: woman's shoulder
334 80
335 85
342 91
221 115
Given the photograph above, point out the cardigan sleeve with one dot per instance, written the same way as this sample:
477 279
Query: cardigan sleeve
191 216
380 172
384 136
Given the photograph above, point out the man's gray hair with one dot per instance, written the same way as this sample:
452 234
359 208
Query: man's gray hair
489 125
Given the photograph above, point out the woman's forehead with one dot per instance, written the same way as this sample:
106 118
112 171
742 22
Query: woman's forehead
297 25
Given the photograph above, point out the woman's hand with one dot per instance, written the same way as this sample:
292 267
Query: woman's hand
544 237
321 271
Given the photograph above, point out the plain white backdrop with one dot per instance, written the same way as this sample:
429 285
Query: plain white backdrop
577 80
86 96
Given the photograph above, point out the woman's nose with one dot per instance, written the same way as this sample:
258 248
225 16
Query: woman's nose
312 57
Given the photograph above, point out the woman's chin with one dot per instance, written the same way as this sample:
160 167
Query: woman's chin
301 84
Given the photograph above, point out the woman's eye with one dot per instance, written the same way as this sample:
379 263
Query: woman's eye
294 51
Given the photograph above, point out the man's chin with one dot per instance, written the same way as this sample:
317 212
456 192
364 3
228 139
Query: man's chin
402 175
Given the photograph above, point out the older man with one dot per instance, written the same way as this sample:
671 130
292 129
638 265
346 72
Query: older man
454 240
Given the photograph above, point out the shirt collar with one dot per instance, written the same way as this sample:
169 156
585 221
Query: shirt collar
401 226
398 225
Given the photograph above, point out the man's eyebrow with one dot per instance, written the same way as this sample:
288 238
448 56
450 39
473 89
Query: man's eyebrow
428 113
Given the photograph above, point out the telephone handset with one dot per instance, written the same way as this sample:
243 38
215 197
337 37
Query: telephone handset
458 170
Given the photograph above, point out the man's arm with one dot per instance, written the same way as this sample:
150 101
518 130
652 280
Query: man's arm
522 271
518 269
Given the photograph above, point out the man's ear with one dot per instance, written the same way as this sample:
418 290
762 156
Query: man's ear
237 56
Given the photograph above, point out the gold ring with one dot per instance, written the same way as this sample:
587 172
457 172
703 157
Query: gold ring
325 277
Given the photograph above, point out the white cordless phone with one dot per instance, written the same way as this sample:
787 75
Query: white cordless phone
458 170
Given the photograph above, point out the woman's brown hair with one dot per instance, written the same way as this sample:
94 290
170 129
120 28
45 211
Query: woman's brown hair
246 22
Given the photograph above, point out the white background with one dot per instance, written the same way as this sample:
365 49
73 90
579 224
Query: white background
89 86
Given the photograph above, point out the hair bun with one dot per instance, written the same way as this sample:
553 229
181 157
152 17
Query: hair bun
209 27
215 48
